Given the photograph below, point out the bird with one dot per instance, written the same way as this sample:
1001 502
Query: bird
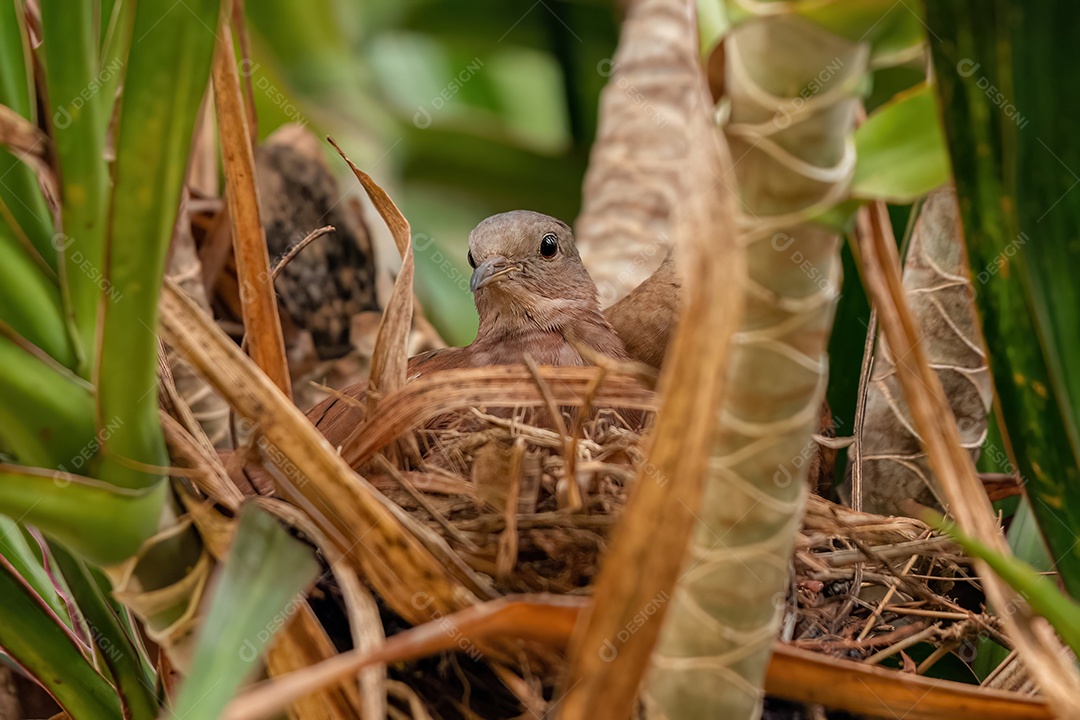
533 296
646 318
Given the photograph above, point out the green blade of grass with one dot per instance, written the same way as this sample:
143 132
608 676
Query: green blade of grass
99 522
117 19
111 643
38 640
256 593
78 118
168 70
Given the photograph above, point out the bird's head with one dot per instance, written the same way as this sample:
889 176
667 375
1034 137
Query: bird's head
526 267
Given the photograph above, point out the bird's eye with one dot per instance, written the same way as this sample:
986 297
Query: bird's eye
472 263
549 245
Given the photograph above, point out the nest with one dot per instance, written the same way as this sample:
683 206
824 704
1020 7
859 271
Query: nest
868 587
528 536
863 587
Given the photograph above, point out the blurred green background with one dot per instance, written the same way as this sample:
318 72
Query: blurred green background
460 112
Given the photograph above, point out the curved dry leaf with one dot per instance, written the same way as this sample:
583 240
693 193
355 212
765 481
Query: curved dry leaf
547 619
632 185
391 355
942 301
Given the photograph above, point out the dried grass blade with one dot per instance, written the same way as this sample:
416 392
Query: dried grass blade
365 625
258 301
1039 647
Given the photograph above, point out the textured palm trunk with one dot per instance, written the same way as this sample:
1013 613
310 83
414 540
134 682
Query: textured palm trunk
631 190
789 89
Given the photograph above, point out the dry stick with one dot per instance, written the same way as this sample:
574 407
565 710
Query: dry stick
507 553
933 658
904 644
258 302
416 495
860 414
939 614
289 257
1039 647
298 248
874 616
570 497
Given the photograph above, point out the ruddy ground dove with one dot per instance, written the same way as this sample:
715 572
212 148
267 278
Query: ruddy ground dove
534 296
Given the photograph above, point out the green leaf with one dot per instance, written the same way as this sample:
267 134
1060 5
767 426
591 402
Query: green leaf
47 416
78 119
19 192
30 301
27 563
257 592
1016 159
38 640
713 24
900 149
111 643
116 29
168 71
894 30
1041 593
101 523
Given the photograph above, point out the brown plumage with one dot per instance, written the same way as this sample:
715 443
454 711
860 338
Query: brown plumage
645 319
534 296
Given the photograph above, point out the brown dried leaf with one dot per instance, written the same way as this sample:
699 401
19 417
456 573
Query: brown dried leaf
547 619
809 677
303 643
942 301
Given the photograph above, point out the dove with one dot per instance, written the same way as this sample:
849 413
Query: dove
533 296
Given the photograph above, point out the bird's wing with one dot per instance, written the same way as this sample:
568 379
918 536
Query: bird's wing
441 359
338 415
645 319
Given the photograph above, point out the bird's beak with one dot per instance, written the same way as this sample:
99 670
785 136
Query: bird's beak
491 270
